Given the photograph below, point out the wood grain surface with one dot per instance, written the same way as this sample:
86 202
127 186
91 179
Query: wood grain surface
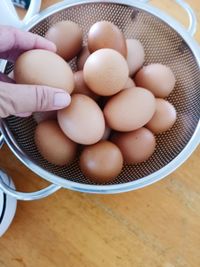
158 226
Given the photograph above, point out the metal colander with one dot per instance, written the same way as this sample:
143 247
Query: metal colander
163 44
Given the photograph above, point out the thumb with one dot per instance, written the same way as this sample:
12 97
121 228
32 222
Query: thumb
19 98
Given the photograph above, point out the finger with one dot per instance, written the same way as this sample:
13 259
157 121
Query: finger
13 42
23 115
17 98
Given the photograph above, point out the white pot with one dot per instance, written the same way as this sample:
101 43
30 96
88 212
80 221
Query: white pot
8 14
8 206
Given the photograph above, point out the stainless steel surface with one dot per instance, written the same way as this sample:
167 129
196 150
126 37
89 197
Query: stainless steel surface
165 41
25 196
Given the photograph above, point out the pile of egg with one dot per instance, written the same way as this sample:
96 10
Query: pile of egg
117 104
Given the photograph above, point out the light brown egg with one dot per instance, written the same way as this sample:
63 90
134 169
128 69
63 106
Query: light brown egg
43 116
130 109
68 37
82 57
105 72
157 78
101 162
129 84
53 145
83 121
81 87
104 34
135 55
164 117
44 68
136 146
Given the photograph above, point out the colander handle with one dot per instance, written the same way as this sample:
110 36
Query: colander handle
26 196
192 16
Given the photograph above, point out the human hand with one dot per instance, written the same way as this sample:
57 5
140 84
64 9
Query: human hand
22 100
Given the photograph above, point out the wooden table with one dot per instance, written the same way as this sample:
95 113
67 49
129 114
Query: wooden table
158 226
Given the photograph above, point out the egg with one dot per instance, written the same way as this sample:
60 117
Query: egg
53 145
67 36
43 116
105 72
82 121
44 68
104 34
164 117
136 146
130 109
129 84
135 55
157 78
82 57
81 87
101 162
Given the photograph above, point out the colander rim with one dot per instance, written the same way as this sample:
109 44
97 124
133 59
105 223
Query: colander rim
123 187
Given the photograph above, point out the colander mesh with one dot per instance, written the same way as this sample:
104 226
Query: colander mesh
162 45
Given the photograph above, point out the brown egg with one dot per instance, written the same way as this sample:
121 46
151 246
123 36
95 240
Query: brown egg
130 109
157 78
43 116
83 121
81 87
82 57
164 117
104 34
53 145
129 84
101 162
68 37
45 68
136 146
105 72
135 55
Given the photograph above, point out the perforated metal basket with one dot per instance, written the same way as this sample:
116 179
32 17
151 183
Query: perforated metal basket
165 41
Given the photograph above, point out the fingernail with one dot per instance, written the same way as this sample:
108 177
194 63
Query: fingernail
61 100
24 114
